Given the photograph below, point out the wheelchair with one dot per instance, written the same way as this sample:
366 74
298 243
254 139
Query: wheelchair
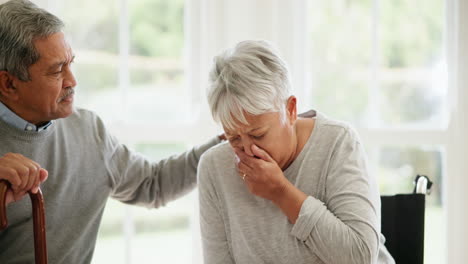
403 222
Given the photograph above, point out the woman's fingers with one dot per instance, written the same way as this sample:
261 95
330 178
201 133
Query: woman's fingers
244 171
261 153
262 175
244 158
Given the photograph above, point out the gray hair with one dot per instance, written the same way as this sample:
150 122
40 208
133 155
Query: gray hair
21 22
251 77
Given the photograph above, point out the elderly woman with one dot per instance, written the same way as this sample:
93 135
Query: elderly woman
287 188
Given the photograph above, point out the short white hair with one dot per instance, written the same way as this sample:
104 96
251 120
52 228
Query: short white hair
250 77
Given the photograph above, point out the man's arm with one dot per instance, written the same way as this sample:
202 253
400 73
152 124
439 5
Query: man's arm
139 181
135 179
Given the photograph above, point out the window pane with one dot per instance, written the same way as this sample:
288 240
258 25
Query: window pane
397 168
163 234
156 61
340 51
93 35
411 80
110 247
412 69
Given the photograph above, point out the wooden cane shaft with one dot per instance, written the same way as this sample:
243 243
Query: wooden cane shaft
40 245
37 200
3 192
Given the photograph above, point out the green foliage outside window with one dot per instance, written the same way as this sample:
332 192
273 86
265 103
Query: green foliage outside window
156 27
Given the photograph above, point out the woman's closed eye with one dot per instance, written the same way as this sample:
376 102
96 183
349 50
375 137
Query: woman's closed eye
232 138
258 136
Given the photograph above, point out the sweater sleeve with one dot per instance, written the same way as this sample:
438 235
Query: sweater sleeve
214 240
136 180
344 227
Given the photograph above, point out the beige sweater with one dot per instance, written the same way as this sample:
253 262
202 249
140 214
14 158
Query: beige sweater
338 223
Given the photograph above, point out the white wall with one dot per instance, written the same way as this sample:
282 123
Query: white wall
456 194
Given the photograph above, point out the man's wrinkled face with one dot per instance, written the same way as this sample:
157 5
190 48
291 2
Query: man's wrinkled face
49 93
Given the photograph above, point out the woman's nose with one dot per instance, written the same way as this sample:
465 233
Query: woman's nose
247 147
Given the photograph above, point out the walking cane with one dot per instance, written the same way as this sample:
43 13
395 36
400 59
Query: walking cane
40 248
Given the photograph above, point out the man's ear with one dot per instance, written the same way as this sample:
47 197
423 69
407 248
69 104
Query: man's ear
7 88
291 109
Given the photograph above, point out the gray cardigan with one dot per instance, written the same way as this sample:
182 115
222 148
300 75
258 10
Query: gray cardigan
338 223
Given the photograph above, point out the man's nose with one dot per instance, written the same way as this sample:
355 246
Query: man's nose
70 80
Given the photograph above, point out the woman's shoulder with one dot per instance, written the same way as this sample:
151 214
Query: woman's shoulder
336 128
328 131
218 154
332 123
323 120
215 164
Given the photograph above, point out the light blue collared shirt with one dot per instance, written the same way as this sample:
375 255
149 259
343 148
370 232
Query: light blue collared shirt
14 120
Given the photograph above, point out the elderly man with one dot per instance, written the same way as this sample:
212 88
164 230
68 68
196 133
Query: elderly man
44 137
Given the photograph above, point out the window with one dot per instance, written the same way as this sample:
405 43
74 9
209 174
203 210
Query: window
380 65
130 70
